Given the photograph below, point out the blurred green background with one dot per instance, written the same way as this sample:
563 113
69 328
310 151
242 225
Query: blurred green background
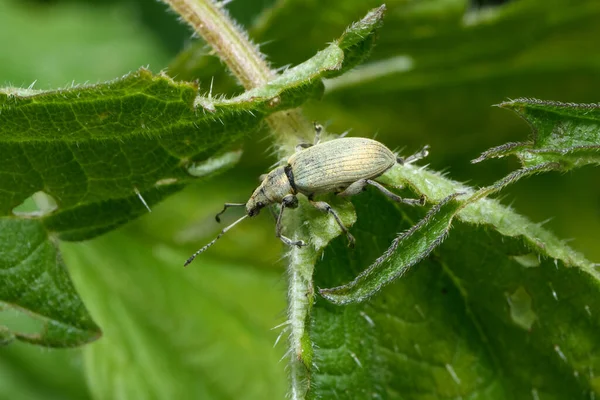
439 67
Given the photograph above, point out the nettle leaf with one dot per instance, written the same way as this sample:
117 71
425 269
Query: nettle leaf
565 134
422 238
358 39
36 282
482 317
92 149
406 250
100 155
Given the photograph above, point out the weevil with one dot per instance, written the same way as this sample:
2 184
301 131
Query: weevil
344 166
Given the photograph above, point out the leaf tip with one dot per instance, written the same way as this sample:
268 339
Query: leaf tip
379 11
335 295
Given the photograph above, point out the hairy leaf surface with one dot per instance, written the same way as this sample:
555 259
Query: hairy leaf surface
480 318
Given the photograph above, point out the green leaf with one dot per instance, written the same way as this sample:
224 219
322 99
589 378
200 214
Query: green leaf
359 38
173 332
406 250
93 149
565 134
423 237
483 317
35 280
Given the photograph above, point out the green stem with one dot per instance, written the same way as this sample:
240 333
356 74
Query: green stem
245 61
300 298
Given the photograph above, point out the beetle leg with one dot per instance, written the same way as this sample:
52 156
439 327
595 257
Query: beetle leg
318 130
415 157
394 196
354 188
343 134
226 206
289 200
302 146
326 208
360 185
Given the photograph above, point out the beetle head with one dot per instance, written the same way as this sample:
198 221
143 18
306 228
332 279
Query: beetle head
257 201
274 187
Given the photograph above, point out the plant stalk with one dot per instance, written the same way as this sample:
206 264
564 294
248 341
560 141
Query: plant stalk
231 43
212 22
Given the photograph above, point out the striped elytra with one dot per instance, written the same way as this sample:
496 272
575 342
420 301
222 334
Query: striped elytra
334 165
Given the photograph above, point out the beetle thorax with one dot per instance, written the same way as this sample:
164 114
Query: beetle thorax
272 190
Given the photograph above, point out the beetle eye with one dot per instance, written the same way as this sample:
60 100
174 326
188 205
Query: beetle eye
260 204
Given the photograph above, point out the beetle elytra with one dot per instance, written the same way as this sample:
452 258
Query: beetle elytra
344 166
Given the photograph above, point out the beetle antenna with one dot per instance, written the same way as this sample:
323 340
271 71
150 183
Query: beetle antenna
225 207
189 260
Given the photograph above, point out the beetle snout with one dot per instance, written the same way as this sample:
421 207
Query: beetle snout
253 208
253 211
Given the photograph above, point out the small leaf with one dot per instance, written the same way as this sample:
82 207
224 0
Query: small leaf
35 280
417 242
94 148
359 38
406 250
565 134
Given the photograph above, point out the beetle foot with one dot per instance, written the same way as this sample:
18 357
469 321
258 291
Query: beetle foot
351 240
421 201
290 242
424 152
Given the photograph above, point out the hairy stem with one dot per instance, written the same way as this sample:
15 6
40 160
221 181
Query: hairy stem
300 296
211 21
